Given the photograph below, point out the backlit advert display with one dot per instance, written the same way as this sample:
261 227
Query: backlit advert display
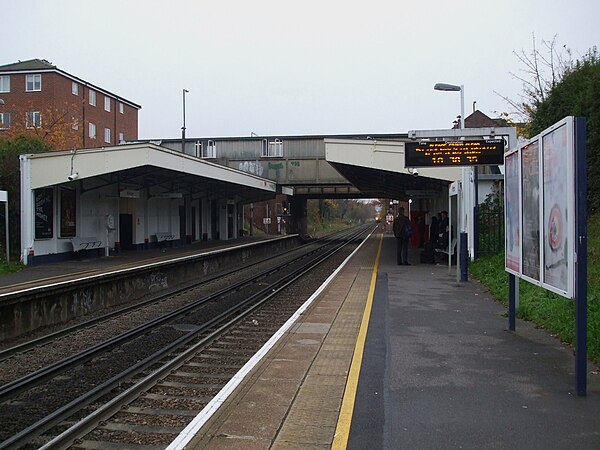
454 153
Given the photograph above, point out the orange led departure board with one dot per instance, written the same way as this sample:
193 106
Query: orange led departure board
455 153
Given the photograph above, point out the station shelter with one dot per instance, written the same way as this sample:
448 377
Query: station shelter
129 197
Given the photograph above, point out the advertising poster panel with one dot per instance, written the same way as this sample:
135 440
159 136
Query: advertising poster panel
511 193
67 213
556 208
530 191
44 213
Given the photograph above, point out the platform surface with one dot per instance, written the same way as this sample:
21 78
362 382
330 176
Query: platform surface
439 370
82 265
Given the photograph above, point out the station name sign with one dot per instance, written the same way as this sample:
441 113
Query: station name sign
454 153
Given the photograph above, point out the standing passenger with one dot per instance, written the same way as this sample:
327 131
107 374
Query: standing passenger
402 232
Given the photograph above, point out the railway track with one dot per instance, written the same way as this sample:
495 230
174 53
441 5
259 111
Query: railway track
169 367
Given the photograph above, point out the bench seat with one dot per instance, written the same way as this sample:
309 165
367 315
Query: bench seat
86 243
161 237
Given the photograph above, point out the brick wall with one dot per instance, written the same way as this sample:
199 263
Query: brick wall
61 109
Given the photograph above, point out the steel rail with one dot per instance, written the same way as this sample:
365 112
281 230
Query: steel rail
90 422
74 406
20 348
10 390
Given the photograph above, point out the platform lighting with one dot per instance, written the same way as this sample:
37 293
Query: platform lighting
185 91
454 88
1 102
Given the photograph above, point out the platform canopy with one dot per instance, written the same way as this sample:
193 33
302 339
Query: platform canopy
377 169
145 165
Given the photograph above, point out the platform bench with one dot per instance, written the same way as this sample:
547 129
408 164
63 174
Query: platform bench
85 243
161 237
445 250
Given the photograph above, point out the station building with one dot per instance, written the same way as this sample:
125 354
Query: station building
128 197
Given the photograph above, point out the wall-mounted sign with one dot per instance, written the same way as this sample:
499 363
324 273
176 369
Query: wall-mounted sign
68 212
129 193
44 213
454 153
168 195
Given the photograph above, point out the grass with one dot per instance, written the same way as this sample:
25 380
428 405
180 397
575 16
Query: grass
8 268
551 311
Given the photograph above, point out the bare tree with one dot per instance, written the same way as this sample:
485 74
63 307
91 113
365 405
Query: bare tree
541 69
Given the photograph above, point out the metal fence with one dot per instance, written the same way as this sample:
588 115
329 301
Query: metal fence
490 229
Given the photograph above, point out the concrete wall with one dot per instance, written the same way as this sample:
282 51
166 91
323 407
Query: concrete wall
24 312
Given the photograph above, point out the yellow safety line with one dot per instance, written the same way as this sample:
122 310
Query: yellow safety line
342 431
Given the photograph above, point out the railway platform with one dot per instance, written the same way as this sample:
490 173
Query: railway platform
42 274
390 356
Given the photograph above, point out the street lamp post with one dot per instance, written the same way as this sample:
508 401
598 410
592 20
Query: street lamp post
454 88
462 234
185 91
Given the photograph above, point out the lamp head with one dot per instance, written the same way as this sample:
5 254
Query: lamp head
446 87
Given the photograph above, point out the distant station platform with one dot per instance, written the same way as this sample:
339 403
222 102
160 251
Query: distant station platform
389 356
45 274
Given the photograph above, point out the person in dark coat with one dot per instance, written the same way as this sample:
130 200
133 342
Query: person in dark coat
421 230
433 230
402 232
443 230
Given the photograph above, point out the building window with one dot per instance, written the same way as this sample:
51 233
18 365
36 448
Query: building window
121 137
74 88
272 149
33 119
33 83
198 149
210 151
4 121
75 124
121 108
107 135
92 130
92 98
106 103
5 83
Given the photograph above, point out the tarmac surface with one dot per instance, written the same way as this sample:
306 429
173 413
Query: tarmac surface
439 371
442 371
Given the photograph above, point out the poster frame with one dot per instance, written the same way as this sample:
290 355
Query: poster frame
571 225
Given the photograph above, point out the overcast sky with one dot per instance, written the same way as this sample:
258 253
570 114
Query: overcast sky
275 67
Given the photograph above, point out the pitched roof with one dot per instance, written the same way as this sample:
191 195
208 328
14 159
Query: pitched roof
479 120
31 64
42 65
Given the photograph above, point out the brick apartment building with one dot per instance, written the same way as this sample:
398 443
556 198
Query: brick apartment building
38 98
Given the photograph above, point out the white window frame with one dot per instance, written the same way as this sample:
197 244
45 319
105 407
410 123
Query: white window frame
107 135
92 130
75 124
106 103
92 98
121 108
4 121
272 149
74 88
210 151
35 117
5 84
35 79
